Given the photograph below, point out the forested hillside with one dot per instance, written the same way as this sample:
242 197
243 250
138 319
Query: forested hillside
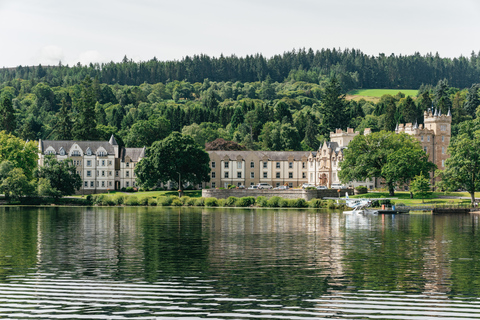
288 102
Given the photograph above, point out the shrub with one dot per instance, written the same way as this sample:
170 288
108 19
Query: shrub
331 204
261 201
211 202
164 201
109 201
119 199
152 202
283 203
273 202
143 201
248 201
177 202
361 188
129 189
90 198
230 202
199 202
123 189
185 200
231 186
132 201
300 203
316 203
99 199
191 202
221 202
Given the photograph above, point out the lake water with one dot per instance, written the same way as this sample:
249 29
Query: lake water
157 263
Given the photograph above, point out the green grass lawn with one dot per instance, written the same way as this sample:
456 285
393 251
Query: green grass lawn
380 92
156 194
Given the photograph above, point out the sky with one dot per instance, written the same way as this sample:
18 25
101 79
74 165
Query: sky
51 31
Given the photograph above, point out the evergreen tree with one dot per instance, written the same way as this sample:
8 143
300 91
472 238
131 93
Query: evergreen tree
472 100
333 108
442 99
64 124
85 124
237 118
7 115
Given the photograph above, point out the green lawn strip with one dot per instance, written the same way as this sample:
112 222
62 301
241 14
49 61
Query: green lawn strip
434 198
153 194
380 92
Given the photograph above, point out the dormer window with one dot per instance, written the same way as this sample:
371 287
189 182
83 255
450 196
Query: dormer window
62 151
50 152
76 153
89 151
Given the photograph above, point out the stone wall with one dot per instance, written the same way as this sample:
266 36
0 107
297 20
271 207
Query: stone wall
287 194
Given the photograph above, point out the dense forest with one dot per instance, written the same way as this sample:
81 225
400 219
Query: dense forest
288 102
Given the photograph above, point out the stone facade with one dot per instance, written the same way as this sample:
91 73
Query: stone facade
286 194
434 136
103 165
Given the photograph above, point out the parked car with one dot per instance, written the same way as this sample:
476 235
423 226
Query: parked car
253 187
322 187
241 187
264 186
281 188
307 185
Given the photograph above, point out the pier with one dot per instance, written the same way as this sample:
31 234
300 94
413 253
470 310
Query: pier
438 208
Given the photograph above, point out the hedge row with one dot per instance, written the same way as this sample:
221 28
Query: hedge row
273 202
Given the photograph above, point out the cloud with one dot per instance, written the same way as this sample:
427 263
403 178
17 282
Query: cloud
50 55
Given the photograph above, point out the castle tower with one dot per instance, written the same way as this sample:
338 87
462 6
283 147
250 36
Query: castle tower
441 126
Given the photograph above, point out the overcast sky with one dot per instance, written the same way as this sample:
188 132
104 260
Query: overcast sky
85 31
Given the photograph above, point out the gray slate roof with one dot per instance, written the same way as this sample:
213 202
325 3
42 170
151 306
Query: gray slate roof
271 155
134 153
67 145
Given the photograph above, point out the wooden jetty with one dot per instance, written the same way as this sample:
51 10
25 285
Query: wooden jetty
439 209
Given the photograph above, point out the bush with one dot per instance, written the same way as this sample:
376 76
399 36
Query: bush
119 199
164 201
191 202
129 189
283 203
152 202
199 202
109 201
316 203
132 201
231 186
331 204
143 201
361 188
211 202
123 189
273 202
245 202
99 199
221 202
185 200
300 203
177 202
261 201
230 202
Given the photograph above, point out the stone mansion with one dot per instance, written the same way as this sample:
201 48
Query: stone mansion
104 165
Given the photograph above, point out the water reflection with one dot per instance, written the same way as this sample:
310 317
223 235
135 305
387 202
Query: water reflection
229 263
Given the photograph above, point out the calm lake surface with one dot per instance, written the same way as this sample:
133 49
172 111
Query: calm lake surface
157 263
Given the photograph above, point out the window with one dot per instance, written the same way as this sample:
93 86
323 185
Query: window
239 175
127 184
110 183
421 138
252 175
91 184
89 163
213 184
75 153
110 173
290 185
103 184
265 164
304 175
133 183
428 138
116 173
103 162
277 184
127 164
86 183
226 175
89 173
425 149
303 165
225 165
277 165
213 164
290 175
103 173
62 151
109 162
290 165
277 175
239 184
443 138
127 173
252 164
443 163
239 165
89 152
265 175
213 175
443 150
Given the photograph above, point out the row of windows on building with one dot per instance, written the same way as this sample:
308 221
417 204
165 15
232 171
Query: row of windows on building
76 153
428 138
104 184
226 165
252 175
89 163
104 173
